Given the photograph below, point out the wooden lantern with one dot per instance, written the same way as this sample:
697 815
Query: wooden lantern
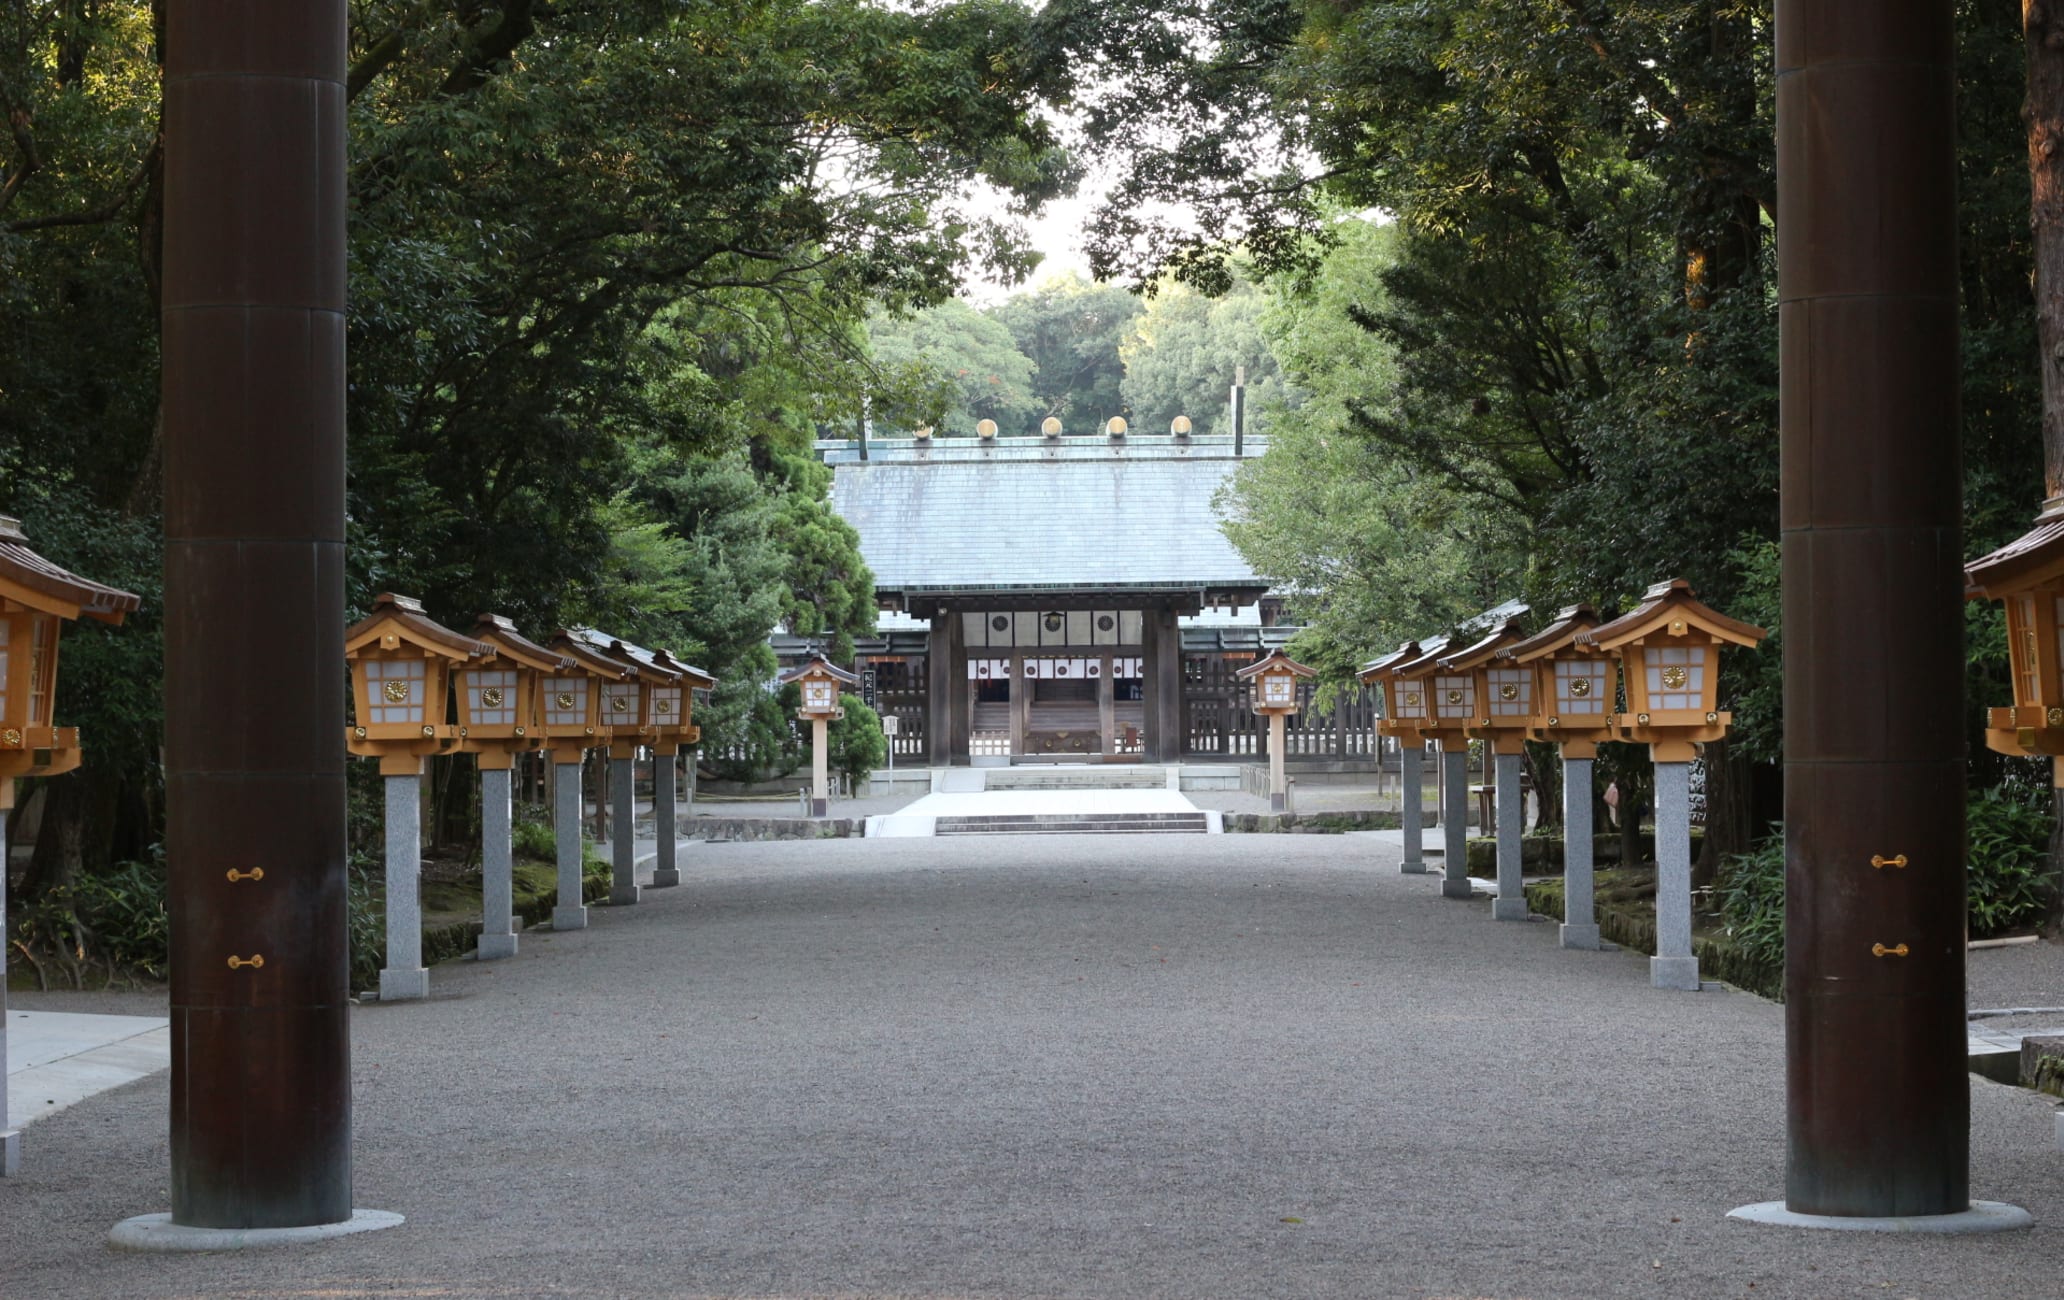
1274 680
574 698
36 599
401 666
1400 719
1503 692
820 680
2027 576
1409 692
1574 683
502 704
630 704
681 723
1669 651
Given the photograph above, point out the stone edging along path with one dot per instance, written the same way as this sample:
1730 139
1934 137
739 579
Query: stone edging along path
1325 823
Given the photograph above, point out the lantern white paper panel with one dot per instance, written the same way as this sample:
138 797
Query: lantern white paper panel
395 690
1583 686
1512 692
1454 696
566 701
491 698
1278 690
1676 677
1407 700
620 705
664 706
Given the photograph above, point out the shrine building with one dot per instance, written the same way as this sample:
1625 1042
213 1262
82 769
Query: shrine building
1063 599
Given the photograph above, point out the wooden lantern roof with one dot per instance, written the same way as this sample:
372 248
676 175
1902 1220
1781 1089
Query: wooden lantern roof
500 633
403 619
1570 625
1669 608
1505 634
1428 660
1378 670
569 643
28 579
818 666
645 665
697 678
1274 662
2029 561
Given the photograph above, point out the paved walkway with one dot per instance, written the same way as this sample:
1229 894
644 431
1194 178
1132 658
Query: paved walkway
1183 1066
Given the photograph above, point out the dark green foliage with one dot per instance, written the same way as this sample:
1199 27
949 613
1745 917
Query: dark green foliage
857 744
2008 833
1751 895
533 837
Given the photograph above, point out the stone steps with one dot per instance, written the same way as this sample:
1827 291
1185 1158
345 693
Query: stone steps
1110 776
1076 824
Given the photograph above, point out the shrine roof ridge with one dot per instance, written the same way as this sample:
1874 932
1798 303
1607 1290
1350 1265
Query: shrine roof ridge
1055 523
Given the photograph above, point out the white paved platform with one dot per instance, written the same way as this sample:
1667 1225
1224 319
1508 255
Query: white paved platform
56 1059
920 818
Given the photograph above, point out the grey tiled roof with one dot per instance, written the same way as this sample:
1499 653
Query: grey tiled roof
1127 521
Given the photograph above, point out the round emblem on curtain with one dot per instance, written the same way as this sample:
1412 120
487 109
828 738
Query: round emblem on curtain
1000 623
1053 622
1105 622
1061 669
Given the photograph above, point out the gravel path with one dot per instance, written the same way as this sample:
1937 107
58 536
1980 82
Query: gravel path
1184 1066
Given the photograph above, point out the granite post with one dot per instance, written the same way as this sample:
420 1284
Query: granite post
1673 966
820 768
1454 761
497 864
623 832
403 977
1278 779
1511 904
1412 776
666 773
570 913
1579 900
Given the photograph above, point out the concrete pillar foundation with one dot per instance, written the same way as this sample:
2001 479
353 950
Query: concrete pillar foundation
404 977
1411 776
1579 897
1511 904
1673 966
623 832
569 914
497 868
666 773
1455 821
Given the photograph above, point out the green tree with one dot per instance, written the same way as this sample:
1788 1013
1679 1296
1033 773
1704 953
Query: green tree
973 365
1073 330
1182 355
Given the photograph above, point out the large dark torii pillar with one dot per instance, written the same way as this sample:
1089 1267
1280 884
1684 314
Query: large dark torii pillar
253 406
1878 1099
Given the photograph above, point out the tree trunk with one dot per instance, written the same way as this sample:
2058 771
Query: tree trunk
1544 766
2044 114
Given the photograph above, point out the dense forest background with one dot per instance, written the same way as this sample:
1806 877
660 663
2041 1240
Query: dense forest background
1501 273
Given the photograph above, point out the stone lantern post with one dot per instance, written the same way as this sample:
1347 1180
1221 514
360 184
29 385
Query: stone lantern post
1574 691
501 715
1274 680
1669 651
573 703
1419 697
1504 695
36 599
820 680
401 665
1403 712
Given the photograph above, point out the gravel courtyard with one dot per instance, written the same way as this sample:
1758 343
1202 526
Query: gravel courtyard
1185 1066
